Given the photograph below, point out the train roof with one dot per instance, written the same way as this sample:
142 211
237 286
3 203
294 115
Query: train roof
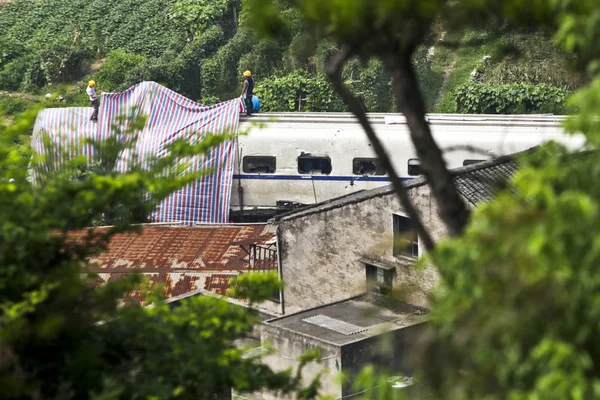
399 119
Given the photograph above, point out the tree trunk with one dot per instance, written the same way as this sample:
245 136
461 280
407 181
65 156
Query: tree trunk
453 210
334 70
235 19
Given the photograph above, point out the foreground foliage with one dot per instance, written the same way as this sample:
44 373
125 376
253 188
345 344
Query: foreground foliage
515 315
61 337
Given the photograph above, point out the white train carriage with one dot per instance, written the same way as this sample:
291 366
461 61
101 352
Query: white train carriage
311 157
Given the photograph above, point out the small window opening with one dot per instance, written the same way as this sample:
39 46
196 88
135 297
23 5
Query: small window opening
367 166
406 239
470 162
259 164
314 165
414 167
379 280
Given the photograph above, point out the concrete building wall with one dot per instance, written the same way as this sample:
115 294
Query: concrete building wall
288 346
270 307
390 352
320 252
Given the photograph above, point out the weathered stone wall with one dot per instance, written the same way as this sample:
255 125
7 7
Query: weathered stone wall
320 252
390 352
287 346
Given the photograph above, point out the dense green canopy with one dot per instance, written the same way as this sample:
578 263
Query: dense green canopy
200 48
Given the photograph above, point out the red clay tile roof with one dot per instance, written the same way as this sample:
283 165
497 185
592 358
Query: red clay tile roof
184 259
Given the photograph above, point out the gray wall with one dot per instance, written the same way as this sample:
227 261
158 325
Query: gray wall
288 346
320 251
389 352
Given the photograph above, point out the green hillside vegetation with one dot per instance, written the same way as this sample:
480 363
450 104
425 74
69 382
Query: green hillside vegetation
200 48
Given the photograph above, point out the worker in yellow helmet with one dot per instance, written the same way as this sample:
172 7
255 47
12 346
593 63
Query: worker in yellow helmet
91 92
247 91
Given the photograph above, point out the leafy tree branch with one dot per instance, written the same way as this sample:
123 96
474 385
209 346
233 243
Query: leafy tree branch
334 72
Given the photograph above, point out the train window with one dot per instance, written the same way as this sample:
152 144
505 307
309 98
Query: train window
314 165
259 164
414 167
367 166
469 162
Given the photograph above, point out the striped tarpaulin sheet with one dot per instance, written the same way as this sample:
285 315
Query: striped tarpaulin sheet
170 116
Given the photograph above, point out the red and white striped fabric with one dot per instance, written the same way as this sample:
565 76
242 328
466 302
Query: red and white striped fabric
170 116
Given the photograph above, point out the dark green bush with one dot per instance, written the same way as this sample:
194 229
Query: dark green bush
13 105
478 98
430 80
11 49
320 96
179 71
220 75
58 63
53 41
532 58
119 71
205 45
371 83
209 101
295 92
299 54
55 63
13 72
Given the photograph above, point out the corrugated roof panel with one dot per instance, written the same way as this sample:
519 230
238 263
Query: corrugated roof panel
334 324
176 284
182 258
482 184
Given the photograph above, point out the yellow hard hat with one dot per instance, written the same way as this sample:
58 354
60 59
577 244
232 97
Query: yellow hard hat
92 83
247 73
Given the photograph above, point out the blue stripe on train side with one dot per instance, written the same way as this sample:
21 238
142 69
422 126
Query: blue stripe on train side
315 177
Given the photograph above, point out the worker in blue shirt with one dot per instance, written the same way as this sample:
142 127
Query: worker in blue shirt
255 102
